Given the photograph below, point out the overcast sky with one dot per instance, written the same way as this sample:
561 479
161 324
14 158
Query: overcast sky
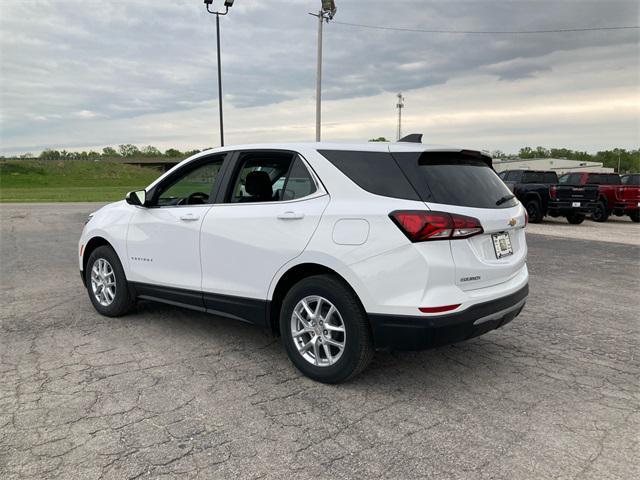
87 74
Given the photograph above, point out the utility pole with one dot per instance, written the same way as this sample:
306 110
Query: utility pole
227 4
327 13
618 161
400 106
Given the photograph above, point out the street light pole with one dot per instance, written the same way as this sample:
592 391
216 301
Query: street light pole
220 82
227 4
319 78
327 13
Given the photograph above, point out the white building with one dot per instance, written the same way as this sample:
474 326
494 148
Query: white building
560 165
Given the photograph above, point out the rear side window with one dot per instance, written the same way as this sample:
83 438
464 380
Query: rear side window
550 177
533 177
613 179
631 180
512 176
375 172
298 184
597 179
454 178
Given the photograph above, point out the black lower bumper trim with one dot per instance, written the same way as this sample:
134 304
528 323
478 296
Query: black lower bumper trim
403 332
563 208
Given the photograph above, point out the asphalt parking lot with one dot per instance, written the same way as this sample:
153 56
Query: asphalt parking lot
169 393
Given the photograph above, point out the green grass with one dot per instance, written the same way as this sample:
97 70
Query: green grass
70 180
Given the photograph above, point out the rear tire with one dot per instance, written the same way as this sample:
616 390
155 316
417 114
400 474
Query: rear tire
340 320
107 284
534 210
575 218
600 213
635 216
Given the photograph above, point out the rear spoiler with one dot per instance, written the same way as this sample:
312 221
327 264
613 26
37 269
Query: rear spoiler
417 138
459 155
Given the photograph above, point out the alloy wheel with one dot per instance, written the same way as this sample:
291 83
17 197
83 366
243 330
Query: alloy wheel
103 282
318 331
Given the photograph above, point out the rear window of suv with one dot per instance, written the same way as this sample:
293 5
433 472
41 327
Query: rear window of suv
441 177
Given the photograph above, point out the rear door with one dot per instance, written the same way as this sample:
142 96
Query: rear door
266 217
466 184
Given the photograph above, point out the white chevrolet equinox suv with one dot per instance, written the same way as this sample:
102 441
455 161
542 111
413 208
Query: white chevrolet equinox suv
341 249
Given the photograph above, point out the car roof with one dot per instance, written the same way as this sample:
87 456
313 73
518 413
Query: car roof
348 146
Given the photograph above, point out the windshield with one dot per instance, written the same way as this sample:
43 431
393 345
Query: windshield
570 179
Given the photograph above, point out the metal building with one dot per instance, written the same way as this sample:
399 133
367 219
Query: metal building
560 165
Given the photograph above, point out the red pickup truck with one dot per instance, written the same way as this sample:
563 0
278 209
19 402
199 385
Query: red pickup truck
615 195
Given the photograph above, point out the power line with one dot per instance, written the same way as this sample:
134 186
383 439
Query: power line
487 32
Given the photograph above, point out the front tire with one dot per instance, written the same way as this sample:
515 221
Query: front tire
600 213
635 216
106 283
575 218
325 330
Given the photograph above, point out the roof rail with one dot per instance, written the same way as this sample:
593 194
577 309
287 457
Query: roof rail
412 138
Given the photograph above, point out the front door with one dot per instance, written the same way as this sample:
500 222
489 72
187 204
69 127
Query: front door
163 240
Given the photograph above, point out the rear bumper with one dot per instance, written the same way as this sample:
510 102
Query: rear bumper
627 206
402 332
566 207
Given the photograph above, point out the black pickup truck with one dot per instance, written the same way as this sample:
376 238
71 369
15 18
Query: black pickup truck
541 195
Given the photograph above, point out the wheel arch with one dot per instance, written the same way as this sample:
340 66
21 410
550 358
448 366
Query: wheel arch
533 196
91 245
602 198
292 276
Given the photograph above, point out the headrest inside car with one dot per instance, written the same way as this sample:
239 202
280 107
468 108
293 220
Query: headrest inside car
258 184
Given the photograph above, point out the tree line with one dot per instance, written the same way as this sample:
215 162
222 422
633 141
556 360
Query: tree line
123 151
629 160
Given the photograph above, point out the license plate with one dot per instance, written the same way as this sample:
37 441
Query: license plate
502 244
575 204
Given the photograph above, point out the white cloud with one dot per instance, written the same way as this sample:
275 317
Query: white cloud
89 74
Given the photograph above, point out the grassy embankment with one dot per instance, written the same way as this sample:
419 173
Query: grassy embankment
70 180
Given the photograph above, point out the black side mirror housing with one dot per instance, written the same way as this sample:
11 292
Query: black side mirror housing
137 198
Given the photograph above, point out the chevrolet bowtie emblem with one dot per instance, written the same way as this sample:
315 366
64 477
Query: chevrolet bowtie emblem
512 222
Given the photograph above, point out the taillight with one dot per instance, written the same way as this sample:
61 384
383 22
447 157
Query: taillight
553 192
445 308
420 226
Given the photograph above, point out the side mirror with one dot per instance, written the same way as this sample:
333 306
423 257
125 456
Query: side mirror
137 198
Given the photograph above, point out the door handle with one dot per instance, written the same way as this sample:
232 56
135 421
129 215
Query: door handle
189 217
289 215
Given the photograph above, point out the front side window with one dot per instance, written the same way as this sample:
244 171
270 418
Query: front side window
271 177
194 187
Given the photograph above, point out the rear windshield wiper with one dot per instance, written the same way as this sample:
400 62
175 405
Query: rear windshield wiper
506 198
